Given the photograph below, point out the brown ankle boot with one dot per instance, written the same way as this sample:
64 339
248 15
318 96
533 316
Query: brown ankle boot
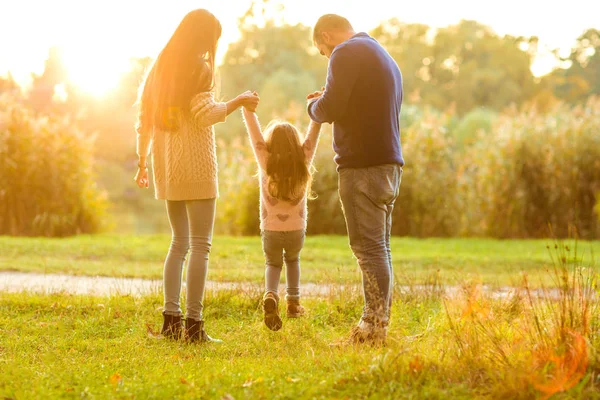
171 328
194 332
294 309
271 311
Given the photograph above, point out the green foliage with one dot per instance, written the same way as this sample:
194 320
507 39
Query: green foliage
450 186
238 205
465 64
537 170
581 78
476 123
428 201
46 175
325 213
263 52
486 174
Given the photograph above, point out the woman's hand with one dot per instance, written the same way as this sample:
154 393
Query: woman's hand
249 100
141 178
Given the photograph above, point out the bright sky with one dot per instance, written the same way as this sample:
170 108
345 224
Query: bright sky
98 37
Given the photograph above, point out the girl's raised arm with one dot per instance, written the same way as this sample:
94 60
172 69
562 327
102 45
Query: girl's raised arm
311 141
256 138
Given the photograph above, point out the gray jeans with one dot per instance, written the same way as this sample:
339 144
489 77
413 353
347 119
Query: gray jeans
192 225
368 196
279 247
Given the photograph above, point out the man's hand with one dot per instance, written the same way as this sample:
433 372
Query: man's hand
315 95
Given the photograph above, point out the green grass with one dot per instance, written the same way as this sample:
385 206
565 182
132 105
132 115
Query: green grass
324 258
468 345
61 346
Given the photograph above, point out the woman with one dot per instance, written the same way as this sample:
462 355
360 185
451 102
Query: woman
175 123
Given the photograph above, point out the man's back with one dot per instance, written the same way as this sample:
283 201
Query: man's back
363 98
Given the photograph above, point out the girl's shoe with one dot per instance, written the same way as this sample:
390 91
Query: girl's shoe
194 332
171 328
294 309
271 311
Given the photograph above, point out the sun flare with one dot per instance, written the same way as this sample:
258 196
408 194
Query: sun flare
94 75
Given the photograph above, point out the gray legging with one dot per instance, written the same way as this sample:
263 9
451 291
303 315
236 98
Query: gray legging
192 225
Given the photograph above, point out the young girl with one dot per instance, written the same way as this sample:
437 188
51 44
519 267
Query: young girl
177 113
284 169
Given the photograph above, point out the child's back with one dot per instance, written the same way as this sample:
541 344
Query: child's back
277 214
284 170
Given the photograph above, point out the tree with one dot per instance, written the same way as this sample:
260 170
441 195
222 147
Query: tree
43 86
8 84
472 66
276 59
262 51
466 64
409 46
578 75
584 70
585 58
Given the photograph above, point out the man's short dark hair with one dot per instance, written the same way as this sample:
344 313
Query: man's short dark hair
330 22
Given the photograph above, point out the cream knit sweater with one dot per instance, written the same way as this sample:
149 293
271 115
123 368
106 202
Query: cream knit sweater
184 162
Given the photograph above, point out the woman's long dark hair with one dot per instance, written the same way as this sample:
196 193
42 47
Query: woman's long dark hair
184 68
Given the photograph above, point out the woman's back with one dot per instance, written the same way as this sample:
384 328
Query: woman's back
184 159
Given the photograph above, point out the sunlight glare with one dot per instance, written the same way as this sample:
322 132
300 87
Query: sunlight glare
93 73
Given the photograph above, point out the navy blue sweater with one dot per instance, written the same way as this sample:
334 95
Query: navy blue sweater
362 99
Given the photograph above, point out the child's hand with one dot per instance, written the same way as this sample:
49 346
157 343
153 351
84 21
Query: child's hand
249 100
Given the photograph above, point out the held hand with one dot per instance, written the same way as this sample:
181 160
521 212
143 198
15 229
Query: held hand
249 100
316 95
141 178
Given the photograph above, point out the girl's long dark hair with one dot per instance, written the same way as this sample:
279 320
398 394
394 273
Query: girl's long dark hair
288 175
184 68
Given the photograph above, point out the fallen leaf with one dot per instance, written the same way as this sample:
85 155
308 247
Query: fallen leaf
248 383
115 378
152 334
183 380
415 365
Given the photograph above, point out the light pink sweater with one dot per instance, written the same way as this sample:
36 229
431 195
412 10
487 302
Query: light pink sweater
275 214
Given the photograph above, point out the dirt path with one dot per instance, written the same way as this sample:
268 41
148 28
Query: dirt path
108 286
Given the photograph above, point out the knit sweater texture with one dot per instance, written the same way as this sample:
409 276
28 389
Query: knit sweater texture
184 161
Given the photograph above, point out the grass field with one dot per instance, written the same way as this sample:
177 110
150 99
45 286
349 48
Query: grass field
61 346
324 258
465 346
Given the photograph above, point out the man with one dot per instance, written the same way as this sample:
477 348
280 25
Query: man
362 99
